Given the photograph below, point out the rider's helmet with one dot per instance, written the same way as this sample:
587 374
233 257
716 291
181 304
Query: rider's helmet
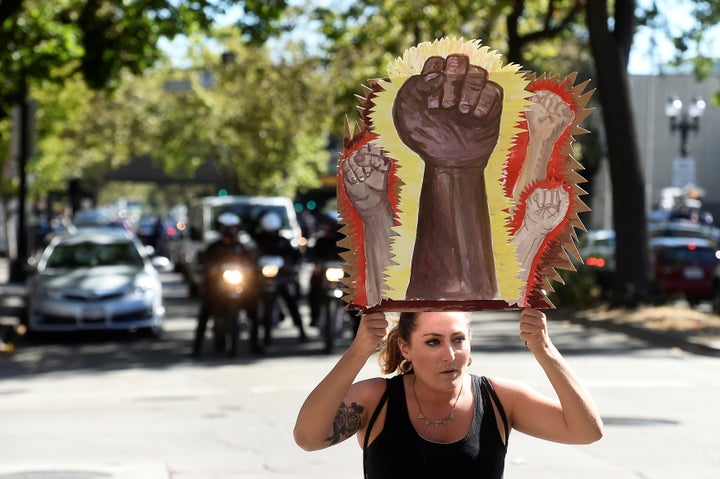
228 223
270 222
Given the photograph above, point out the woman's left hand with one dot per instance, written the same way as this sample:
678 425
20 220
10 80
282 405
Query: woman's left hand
533 330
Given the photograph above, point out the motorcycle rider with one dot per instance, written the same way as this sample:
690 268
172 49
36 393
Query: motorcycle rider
227 249
272 243
324 250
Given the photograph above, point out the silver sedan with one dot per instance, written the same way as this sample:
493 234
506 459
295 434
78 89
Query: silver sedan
98 279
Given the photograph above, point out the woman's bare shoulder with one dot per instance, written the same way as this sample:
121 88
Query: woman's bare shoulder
366 395
368 390
508 389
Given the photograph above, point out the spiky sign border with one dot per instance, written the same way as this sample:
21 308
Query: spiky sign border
517 286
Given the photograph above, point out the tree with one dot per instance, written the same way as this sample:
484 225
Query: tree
263 122
98 38
101 38
611 51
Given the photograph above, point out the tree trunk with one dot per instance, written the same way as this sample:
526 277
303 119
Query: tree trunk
611 51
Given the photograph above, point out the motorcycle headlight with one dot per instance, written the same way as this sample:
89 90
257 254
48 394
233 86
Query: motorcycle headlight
270 270
232 276
334 274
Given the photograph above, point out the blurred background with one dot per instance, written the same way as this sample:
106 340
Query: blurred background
126 111
142 121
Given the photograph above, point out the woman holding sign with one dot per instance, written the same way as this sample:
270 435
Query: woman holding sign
433 415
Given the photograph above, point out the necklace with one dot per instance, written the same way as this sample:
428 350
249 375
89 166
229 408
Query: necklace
432 422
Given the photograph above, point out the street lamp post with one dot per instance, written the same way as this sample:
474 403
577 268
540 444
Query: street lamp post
683 120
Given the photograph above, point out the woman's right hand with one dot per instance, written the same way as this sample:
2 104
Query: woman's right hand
370 333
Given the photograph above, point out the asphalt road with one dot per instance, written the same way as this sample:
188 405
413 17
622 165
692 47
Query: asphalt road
122 406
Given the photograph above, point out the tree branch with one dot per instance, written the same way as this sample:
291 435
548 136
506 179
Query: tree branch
551 29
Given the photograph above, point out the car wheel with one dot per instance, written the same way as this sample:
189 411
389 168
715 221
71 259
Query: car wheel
24 317
716 298
153 332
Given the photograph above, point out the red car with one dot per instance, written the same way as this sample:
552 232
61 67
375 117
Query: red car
685 267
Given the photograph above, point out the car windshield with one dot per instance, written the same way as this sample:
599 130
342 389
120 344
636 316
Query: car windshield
87 254
602 243
698 256
685 231
597 241
250 213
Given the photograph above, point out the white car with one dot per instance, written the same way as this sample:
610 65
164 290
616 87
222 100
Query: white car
95 279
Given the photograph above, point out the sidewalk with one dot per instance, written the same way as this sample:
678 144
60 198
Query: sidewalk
670 326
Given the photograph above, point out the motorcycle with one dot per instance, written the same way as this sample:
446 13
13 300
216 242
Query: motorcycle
270 310
327 305
233 283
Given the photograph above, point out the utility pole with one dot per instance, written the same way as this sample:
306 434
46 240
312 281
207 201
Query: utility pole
24 146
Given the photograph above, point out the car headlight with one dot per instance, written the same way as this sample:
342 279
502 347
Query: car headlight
144 285
48 293
334 274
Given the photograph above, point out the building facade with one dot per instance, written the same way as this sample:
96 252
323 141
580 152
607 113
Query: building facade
660 148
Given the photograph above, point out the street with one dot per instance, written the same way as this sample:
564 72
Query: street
122 406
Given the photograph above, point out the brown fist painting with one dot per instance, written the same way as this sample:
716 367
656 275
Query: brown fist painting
457 190
450 116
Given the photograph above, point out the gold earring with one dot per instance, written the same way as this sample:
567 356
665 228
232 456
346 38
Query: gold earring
469 361
405 366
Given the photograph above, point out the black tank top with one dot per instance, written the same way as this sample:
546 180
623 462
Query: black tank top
399 451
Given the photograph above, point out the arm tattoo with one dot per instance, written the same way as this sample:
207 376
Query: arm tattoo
347 422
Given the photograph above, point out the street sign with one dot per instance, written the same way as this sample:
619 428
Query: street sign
683 171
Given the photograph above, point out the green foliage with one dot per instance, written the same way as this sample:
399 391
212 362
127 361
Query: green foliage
53 40
262 20
364 37
83 133
580 290
268 121
367 34
263 122
693 43
34 43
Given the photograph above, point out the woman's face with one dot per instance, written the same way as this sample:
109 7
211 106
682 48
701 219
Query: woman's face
439 348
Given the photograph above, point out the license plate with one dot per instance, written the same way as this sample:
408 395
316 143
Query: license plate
693 272
94 313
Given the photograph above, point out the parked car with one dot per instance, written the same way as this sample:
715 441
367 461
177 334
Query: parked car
716 291
685 267
95 279
684 229
597 249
